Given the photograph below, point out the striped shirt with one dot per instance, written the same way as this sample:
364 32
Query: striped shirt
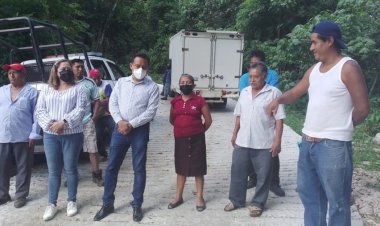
55 105
17 123
135 103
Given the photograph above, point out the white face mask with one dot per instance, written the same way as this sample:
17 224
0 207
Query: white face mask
139 73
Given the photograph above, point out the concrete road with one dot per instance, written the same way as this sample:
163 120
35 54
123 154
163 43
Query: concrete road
160 187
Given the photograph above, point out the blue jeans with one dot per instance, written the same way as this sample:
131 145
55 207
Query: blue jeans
62 151
166 87
324 179
138 139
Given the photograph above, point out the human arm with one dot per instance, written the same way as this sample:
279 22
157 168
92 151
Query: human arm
95 115
74 117
171 116
353 78
36 129
151 108
41 114
207 117
291 95
276 146
236 130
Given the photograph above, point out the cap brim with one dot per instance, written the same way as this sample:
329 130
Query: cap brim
341 44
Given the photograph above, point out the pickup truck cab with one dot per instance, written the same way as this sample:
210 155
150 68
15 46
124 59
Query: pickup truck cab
39 40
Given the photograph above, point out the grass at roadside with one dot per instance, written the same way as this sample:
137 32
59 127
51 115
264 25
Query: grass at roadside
364 155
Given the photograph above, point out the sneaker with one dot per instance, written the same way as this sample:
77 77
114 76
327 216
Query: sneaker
277 190
164 98
50 212
72 209
20 202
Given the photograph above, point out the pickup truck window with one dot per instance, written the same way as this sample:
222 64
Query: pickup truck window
117 72
99 64
33 75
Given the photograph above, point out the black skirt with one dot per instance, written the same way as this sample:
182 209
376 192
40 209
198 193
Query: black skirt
190 155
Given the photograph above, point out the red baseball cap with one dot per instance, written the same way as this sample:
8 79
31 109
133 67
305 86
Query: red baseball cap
16 67
95 73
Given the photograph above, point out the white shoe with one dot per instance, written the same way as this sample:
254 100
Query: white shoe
72 208
50 212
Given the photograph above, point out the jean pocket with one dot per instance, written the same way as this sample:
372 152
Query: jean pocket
333 144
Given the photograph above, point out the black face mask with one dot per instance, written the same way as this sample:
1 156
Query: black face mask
186 89
66 76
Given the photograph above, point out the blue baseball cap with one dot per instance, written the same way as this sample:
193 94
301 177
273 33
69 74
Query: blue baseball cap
330 28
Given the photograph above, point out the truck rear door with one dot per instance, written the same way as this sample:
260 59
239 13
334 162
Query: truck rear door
196 58
228 57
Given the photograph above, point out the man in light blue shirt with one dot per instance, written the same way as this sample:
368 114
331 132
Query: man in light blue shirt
18 132
272 79
133 105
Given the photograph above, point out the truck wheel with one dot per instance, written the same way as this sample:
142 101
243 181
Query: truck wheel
224 104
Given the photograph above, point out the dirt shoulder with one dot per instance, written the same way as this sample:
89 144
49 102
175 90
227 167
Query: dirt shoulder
366 196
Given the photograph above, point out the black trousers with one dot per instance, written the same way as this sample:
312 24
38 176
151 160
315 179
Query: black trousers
275 172
20 157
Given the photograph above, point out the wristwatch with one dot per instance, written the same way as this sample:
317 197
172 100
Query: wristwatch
66 123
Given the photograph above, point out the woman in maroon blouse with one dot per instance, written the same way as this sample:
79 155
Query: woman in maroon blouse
189 133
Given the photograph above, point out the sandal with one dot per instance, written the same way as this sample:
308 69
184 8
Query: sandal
230 206
173 205
255 211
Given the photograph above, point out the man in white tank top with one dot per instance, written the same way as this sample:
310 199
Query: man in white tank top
338 101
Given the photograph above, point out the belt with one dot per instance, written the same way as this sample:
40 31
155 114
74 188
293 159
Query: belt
311 139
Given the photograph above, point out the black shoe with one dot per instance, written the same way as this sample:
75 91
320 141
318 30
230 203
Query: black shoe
5 200
20 202
164 98
277 190
251 183
173 205
201 208
103 212
137 214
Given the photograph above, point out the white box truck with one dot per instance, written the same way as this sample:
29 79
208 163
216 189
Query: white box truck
213 58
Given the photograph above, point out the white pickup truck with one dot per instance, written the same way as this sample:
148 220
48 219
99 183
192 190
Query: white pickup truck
38 69
213 58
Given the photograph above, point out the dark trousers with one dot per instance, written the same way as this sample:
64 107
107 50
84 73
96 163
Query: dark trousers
242 159
19 156
137 139
104 124
275 172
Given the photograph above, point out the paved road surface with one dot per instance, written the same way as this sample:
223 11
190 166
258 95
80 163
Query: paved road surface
160 186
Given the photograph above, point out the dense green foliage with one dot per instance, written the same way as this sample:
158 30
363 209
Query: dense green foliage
279 27
120 28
